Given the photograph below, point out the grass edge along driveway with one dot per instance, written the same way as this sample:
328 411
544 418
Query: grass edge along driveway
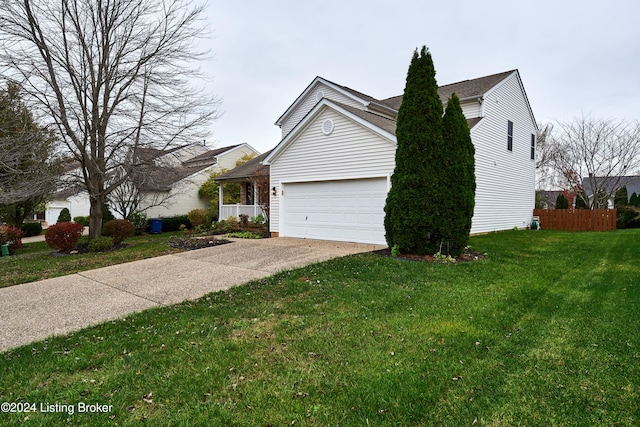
544 332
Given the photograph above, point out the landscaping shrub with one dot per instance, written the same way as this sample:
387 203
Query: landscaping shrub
258 220
172 223
31 229
140 222
244 220
12 237
118 230
65 215
228 225
562 202
106 214
199 218
100 244
63 236
84 220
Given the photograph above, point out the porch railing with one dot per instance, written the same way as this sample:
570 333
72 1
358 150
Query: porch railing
236 210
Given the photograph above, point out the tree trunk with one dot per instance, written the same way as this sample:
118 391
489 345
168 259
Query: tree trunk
95 217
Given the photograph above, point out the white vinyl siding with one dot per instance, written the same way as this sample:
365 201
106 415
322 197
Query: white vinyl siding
350 152
227 160
505 180
183 197
310 101
471 109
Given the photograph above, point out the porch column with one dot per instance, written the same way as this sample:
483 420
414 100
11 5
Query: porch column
256 202
220 198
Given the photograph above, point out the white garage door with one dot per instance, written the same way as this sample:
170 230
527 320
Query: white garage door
347 211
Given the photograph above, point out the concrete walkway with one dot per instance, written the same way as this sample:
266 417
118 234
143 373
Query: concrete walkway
37 310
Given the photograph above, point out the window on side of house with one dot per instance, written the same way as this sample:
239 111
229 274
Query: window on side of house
509 135
533 147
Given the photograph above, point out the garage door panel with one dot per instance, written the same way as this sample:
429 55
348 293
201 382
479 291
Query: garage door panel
349 210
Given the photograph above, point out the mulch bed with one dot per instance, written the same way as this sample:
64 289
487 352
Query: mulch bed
467 256
192 243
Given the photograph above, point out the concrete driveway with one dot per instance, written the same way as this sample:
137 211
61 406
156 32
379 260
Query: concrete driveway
37 310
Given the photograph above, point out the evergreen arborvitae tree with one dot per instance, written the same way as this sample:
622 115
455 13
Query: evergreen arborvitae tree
414 201
458 173
562 202
64 216
634 200
621 198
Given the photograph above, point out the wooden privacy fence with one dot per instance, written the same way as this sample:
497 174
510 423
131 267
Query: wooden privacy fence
577 219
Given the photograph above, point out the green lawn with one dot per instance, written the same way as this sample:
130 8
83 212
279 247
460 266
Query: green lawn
544 332
34 260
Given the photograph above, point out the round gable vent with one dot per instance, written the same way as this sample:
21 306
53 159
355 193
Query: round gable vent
327 127
319 96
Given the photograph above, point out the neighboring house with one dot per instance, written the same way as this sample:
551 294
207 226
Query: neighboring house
610 185
253 178
178 189
168 186
547 199
331 172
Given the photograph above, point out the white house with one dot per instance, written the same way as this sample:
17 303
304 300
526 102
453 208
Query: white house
179 190
171 188
331 171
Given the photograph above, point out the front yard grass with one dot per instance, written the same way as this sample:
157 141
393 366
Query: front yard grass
35 262
544 332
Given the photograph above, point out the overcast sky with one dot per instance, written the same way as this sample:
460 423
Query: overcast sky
574 57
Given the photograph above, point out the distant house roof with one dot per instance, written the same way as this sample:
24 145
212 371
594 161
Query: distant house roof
253 167
210 155
162 177
613 184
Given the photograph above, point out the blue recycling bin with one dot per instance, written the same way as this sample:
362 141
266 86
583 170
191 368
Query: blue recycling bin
156 225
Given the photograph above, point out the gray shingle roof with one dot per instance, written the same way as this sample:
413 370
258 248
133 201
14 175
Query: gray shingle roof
252 168
464 89
613 184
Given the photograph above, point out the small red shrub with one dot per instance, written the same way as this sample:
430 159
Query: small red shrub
12 237
118 230
63 236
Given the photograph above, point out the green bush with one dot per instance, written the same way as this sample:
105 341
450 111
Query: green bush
258 220
229 225
63 235
199 218
65 216
562 202
118 230
106 214
100 244
140 222
31 229
84 220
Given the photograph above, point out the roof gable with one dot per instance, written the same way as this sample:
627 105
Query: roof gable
381 125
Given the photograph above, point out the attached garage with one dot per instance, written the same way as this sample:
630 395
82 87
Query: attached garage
344 210
330 176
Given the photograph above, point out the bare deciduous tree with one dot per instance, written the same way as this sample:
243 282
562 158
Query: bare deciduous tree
600 151
114 75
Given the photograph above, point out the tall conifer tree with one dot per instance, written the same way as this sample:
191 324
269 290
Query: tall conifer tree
458 175
412 206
